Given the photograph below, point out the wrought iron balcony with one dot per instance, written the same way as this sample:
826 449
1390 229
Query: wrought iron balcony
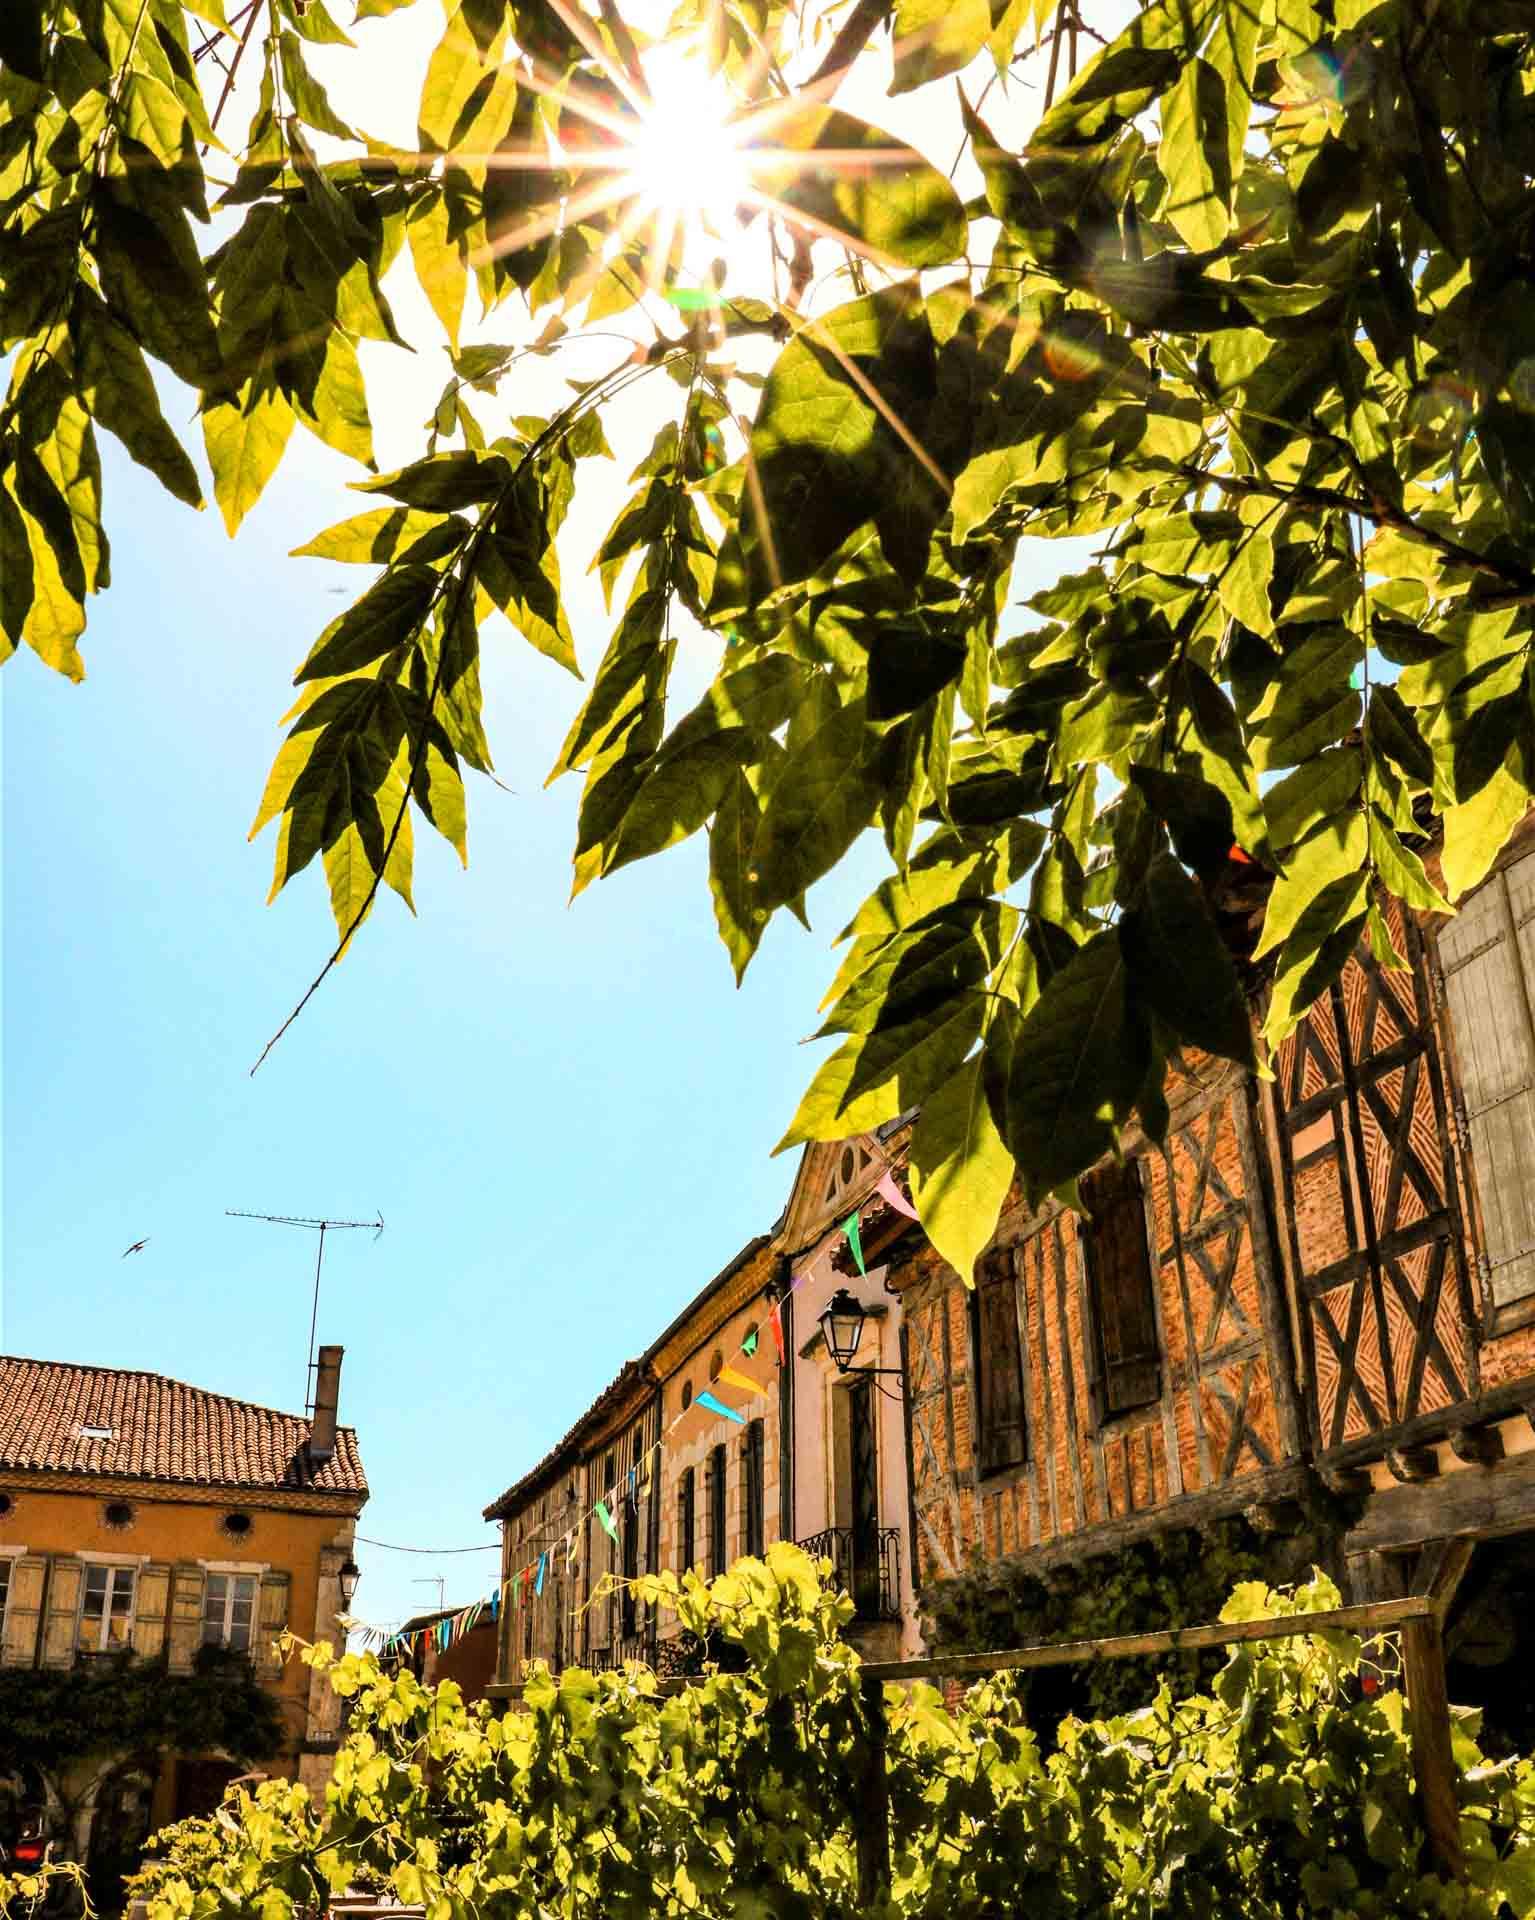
869 1569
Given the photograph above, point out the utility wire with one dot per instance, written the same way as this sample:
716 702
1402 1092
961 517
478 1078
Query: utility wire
491 1546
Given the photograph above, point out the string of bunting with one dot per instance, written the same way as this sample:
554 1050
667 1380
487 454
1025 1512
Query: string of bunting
629 1486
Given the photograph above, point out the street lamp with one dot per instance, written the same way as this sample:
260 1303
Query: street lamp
841 1323
348 1577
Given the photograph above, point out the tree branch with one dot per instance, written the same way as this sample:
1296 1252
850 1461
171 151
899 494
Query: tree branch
1376 511
854 35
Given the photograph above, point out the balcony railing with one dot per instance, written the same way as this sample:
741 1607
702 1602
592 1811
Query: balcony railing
870 1570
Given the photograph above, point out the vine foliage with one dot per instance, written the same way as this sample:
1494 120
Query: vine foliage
1247 307
1280 1790
125 1705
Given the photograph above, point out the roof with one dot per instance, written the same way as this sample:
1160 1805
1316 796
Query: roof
538 1476
161 1429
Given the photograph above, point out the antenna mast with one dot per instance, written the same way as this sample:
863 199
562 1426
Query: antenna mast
322 1227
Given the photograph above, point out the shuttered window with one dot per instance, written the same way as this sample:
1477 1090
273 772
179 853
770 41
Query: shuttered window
106 1609
754 1518
686 1494
1487 953
5 1591
1001 1438
716 1511
229 1608
1122 1290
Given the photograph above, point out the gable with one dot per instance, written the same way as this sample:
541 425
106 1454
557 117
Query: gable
833 1177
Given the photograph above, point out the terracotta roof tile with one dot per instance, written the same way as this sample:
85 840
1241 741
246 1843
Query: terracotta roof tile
161 1430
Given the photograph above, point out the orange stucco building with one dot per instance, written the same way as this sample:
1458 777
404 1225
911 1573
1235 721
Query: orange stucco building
142 1516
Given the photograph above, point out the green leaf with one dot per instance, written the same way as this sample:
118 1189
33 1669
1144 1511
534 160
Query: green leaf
1194 157
1181 968
305 94
443 482
1476 830
386 534
944 954
1335 850
1392 731
153 280
245 439
440 264
1077 1063
825 454
732 838
678 796
1315 950
1244 585
16 578
898 206
119 392
453 73
934 38
385 617
520 569
1312 793
823 798
874 1077
21 38
1400 870
960 1170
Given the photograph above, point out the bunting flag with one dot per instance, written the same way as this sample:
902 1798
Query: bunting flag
742 1380
775 1323
749 1344
850 1228
538 1582
891 1192
606 1518
718 1406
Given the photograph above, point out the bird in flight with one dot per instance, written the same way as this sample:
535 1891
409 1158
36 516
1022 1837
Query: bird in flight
137 1247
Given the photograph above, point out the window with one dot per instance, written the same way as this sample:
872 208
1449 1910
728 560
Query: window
716 1511
1488 955
686 1497
1121 1290
752 1489
106 1609
5 1588
1001 1436
229 1610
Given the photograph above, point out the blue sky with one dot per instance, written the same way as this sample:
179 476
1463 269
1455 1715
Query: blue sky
565 1113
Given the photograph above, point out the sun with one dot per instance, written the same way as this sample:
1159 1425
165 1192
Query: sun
686 161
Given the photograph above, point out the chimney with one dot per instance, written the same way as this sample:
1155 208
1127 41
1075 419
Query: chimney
327 1394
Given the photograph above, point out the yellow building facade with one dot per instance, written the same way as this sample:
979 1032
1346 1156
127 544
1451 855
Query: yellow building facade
143 1517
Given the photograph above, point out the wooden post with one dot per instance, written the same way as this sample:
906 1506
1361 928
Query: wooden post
871 1812
1432 1760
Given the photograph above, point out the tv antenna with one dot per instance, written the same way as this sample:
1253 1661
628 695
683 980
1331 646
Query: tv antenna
434 1580
322 1227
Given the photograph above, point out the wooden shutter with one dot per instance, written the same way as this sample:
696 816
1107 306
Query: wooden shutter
1001 1438
186 1610
150 1603
1488 955
754 1516
1119 1276
62 1618
685 1521
718 1549
271 1618
23 1610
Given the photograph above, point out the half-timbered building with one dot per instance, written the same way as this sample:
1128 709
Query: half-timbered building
1323 1278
